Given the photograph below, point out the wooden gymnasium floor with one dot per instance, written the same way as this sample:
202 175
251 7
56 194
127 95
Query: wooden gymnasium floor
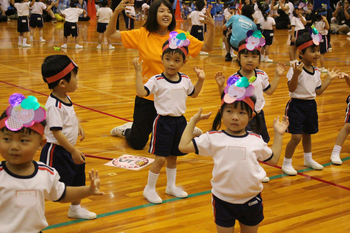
312 201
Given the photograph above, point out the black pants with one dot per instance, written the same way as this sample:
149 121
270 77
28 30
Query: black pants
114 4
144 115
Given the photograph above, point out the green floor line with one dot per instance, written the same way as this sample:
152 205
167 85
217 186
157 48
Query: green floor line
165 201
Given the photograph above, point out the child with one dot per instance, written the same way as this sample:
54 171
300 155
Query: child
22 21
309 15
62 130
237 174
268 27
104 14
170 90
344 132
248 60
322 26
131 16
36 18
71 16
298 23
304 83
197 29
25 183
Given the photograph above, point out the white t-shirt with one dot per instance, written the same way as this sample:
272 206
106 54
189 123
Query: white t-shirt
320 26
227 13
257 16
5 4
170 96
195 17
237 173
268 24
296 21
307 84
38 8
130 10
22 201
61 116
261 84
104 14
72 14
22 8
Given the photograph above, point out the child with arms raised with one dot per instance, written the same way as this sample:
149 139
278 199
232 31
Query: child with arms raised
237 174
25 183
170 90
304 83
62 130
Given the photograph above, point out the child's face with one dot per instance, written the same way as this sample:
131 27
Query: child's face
311 54
164 16
172 63
310 6
249 61
19 148
73 83
235 119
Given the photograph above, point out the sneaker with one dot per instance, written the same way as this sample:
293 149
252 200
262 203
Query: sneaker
268 60
42 40
31 40
98 46
203 53
265 179
323 70
348 34
197 132
111 47
176 192
152 196
262 59
77 46
81 213
335 159
19 44
26 45
289 170
119 130
64 46
228 57
313 164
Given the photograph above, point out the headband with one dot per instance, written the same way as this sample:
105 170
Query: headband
239 89
24 112
177 41
316 39
254 41
61 74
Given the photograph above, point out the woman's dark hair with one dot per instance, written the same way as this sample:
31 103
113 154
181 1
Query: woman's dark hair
23 129
248 11
151 23
217 121
305 37
246 51
54 64
172 51
199 4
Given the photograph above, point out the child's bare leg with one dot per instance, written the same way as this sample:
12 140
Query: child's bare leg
150 190
290 148
343 134
100 38
220 229
249 229
308 161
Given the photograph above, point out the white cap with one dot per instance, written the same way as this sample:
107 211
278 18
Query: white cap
145 6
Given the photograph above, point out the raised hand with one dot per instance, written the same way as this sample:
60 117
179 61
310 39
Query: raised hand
199 116
280 68
334 73
280 126
137 64
220 79
200 72
95 183
298 68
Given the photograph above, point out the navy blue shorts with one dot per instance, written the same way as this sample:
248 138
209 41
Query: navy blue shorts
198 32
101 27
302 116
324 45
264 134
36 20
249 213
268 34
166 135
129 23
70 29
296 34
22 24
59 158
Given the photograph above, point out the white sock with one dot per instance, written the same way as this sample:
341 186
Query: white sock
31 37
308 156
287 162
171 177
41 38
266 57
24 40
152 180
336 150
75 207
20 38
262 57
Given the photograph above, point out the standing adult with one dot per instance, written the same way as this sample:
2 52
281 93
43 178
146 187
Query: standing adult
148 40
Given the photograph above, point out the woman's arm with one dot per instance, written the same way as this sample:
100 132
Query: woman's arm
111 31
209 42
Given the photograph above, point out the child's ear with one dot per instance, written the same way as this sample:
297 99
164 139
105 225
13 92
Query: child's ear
42 143
185 61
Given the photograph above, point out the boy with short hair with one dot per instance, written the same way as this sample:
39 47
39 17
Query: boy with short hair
23 21
103 14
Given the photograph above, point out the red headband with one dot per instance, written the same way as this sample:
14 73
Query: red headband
37 127
61 74
182 49
247 100
305 45
243 46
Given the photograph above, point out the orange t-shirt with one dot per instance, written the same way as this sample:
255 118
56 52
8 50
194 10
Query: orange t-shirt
150 50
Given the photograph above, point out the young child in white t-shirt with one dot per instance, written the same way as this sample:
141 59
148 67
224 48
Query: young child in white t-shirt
131 16
103 14
36 18
23 21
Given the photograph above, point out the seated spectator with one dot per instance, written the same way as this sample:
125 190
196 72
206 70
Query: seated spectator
61 5
342 15
7 10
82 4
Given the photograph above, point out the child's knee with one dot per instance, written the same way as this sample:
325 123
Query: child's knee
296 138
